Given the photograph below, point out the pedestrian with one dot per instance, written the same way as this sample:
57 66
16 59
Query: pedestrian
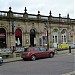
13 49
69 49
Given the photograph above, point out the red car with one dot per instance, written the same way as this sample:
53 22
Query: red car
36 52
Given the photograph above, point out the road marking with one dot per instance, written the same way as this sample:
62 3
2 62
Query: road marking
73 72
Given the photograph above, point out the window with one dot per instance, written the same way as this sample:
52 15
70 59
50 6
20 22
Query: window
64 38
71 39
40 40
42 49
36 49
26 50
55 39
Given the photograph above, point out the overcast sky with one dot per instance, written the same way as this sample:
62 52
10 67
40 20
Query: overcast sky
44 6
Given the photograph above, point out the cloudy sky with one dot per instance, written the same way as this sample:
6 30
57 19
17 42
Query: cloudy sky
44 6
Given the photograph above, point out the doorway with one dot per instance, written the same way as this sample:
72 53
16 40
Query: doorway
2 38
18 37
32 37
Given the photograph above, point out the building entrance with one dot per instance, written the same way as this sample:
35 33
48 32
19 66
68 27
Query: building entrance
2 38
18 37
32 37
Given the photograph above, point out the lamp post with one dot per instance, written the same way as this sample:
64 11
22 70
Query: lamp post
47 35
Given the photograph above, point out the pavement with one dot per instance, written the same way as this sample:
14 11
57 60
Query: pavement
57 53
12 59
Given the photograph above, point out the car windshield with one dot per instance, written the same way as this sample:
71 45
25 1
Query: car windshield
26 50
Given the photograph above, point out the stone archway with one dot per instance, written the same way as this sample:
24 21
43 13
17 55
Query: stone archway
18 37
2 38
32 37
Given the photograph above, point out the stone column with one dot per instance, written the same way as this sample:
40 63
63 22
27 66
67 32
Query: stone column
10 16
25 15
50 29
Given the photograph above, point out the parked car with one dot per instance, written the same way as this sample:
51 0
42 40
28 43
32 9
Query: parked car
1 60
72 45
36 52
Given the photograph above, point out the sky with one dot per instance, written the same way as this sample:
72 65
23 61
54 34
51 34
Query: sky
44 6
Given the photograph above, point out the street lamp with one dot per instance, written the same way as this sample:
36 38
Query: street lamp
47 35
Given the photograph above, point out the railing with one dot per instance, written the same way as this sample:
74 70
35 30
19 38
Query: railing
5 50
64 20
19 49
73 21
17 15
3 13
55 19
44 17
10 50
34 17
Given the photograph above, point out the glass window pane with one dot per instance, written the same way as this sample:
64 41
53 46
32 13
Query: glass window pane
36 49
42 49
26 50
55 39
64 38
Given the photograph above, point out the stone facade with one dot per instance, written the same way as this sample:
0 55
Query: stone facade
23 29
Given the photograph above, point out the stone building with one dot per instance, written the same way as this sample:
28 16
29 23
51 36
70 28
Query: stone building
23 29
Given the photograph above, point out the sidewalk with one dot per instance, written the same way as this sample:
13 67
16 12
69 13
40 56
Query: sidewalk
19 58
66 52
12 59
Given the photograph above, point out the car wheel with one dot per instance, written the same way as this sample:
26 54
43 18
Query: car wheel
51 55
33 58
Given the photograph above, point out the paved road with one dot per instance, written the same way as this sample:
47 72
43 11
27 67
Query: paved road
58 65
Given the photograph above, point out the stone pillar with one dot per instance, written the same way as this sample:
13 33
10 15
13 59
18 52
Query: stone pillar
50 33
10 16
38 16
59 32
10 13
68 29
25 15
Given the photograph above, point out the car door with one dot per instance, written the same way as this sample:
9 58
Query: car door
37 52
44 52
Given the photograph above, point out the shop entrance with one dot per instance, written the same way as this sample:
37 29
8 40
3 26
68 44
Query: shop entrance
32 37
2 38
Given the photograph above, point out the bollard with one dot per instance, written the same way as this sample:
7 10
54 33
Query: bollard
69 49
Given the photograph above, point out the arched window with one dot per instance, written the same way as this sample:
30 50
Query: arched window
63 36
55 37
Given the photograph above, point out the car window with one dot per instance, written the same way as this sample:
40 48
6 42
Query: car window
36 49
42 49
26 50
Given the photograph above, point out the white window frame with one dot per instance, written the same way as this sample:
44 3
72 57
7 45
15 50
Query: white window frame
63 38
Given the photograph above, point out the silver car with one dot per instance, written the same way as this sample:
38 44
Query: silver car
1 60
